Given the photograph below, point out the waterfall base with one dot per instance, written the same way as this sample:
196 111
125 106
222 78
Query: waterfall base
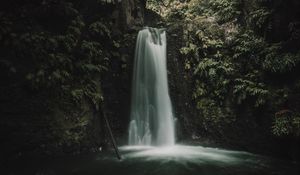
145 160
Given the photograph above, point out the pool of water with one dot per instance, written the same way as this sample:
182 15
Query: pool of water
175 160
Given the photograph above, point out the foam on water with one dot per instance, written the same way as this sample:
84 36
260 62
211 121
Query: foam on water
183 154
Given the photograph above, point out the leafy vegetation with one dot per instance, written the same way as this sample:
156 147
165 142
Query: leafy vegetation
286 123
53 58
231 53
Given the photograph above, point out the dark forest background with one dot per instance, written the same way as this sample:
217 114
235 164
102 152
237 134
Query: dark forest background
233 69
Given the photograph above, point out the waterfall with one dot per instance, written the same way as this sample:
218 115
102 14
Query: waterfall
151 110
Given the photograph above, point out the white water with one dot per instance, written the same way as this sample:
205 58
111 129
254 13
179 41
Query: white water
151 115
189 154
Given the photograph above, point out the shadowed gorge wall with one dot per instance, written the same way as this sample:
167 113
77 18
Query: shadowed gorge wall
233 70
58 61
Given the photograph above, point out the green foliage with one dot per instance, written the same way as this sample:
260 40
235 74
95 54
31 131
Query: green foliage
213 116
233 66
286 124
59 64
211 68
171 9
247 45
278 62
244 89
225 10
98 29
259 18
70 128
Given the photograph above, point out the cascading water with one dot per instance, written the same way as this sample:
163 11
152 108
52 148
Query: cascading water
151 110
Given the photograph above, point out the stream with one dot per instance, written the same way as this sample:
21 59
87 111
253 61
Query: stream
147 160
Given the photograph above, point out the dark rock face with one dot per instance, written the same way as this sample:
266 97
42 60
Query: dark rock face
117 80
128 14
179 84
132 12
